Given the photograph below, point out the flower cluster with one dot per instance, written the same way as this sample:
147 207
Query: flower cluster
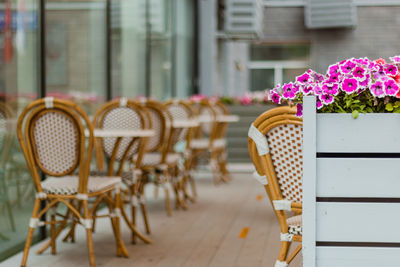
353 85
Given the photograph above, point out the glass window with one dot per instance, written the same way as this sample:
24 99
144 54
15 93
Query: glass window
18 86
261 79
128 26
276 64
280 52
75 51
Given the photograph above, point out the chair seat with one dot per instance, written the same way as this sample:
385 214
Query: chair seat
68 185
295 225
152 159
203 143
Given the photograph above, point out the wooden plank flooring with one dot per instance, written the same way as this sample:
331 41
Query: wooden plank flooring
207 234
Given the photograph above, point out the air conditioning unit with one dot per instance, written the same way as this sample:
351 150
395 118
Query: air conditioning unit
330 14
244 18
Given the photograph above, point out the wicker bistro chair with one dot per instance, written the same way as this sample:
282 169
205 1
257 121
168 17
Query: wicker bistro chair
124 114
180 143
158 162
51 133
206 142
275 146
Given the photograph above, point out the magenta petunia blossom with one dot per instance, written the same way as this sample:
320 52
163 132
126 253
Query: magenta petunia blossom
395 59
377 89
317 89
330 88
289 91
347 67
275 97
380 73
306 89
334 77
359 72
304 78
326 99
299 112
349 85
333 69
366 82
391 88
390 69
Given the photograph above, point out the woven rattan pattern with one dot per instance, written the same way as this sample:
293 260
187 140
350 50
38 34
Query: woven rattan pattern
121 118
55 141
179 112
285 144
156 122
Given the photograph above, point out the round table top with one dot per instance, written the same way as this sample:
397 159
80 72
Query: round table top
121 133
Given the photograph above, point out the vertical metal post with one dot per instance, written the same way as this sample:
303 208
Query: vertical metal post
42 85
174 7
108 51
148 51
196 41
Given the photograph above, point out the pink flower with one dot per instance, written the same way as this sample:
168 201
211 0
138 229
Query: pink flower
299 112
317 89
390 69
349 85
245 100
391 87
366 82
289 90
380 61
304 78
319 104
275 97
347 67
395 59
359 72
326 99
197 98
306 89
330 88
377 89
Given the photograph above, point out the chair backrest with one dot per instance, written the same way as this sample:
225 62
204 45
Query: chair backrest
158 119
222 127
204 109
119 114
180 110
52 137
281 160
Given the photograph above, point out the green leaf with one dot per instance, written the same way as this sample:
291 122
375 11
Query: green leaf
355 114
396 110
389 107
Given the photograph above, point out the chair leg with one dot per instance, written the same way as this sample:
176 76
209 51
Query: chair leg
122 251
144 209
31 230
53 233
86 215
10 213
281 261
167 201
133 212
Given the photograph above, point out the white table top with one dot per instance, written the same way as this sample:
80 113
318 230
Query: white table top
185 123
227 118
121 133
220 118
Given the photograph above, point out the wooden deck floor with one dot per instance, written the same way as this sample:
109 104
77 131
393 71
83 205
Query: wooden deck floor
207 234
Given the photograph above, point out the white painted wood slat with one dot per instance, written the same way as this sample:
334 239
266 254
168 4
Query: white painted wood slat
358 177
357 257
369 133
358 222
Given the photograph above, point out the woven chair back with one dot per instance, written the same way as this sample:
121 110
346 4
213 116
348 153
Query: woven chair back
52 136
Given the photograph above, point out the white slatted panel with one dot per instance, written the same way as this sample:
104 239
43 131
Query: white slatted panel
372 132
330 14
358 177
357 257
358 222
244 18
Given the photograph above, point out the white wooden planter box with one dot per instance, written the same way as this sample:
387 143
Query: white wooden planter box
351 212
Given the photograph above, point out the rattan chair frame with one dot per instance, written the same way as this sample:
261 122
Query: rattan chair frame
77 205
215 156
264 167
134 194
186 134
